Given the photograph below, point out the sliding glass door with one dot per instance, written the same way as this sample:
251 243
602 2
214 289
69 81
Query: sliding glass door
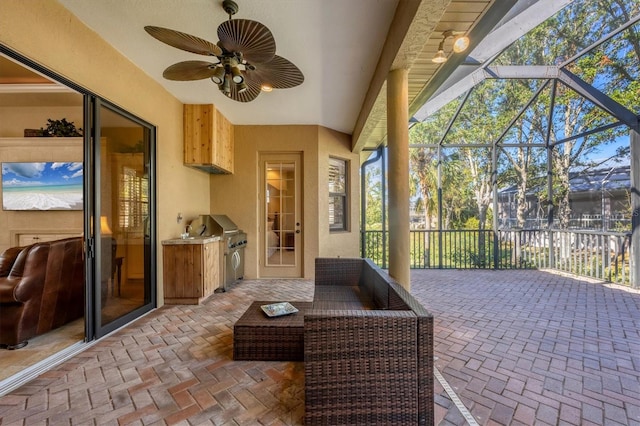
121 217
117 221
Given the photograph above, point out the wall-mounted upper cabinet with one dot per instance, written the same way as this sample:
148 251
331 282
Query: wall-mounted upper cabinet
208 139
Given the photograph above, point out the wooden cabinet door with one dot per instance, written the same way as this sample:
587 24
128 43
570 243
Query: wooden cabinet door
182 266
191 272
199 134
224 143
210 278
208 138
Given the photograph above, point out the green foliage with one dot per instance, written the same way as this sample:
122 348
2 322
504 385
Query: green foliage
61 128
373 199
472 223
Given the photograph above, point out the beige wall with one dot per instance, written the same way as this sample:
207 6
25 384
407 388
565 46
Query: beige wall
13 120
47 33
237 195
338 244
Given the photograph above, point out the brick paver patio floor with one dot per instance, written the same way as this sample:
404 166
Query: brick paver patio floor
517 347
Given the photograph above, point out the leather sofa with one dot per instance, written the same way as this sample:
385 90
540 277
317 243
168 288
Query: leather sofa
41 288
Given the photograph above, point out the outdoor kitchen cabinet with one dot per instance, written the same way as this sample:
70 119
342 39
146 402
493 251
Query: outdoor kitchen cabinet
191 269
208 139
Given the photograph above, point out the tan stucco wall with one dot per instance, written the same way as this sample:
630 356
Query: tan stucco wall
237 195
13 120
337 244
47 33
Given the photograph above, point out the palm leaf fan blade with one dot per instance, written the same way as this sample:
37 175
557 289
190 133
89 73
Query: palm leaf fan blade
189 71
183 41
251 38
280 73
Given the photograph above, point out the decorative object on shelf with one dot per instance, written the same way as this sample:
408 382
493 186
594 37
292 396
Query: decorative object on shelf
61 128
33 133
246 60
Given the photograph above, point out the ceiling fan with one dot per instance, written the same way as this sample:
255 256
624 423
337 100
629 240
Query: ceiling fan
245 58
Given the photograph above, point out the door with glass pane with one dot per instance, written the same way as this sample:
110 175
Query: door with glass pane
122 220
281 215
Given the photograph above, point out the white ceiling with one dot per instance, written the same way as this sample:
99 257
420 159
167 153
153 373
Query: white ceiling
335 43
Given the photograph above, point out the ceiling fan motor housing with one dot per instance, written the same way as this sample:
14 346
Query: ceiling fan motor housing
230 6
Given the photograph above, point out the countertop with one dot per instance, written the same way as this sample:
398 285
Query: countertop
191 240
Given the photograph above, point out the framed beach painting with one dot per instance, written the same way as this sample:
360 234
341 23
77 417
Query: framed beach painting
42 186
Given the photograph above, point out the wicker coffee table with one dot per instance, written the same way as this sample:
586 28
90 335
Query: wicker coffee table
257 337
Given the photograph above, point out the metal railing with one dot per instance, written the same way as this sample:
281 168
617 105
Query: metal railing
595 254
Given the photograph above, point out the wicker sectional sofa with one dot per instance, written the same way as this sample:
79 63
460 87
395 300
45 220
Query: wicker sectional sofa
368 349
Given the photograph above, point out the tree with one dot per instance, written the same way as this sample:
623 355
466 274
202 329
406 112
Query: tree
423 166
573 29
423 161
373 199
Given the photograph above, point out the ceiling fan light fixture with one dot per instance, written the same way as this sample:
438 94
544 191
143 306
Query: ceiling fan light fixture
237 75
225 87
218 76
242 87
266 87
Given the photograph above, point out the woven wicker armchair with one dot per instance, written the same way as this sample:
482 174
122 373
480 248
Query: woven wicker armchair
368 349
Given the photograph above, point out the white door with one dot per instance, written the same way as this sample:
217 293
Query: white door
281 215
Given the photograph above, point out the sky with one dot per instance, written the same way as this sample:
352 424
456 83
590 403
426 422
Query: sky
41 174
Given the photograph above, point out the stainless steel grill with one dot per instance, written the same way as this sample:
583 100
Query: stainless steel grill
234 242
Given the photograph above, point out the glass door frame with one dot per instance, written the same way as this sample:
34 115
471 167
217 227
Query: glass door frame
295 227
94 327
91 104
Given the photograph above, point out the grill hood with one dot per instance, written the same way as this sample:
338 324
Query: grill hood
207 225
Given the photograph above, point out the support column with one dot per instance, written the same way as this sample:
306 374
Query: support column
634 137
398 148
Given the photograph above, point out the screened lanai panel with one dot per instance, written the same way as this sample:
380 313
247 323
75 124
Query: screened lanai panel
577 26
530 128
614 68
423 166
591 182
466 187
491 106
522 176
431 130
574 115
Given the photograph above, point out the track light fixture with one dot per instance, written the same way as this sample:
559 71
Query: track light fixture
227 73
225 87
237 75
218 75
460 44
440 56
